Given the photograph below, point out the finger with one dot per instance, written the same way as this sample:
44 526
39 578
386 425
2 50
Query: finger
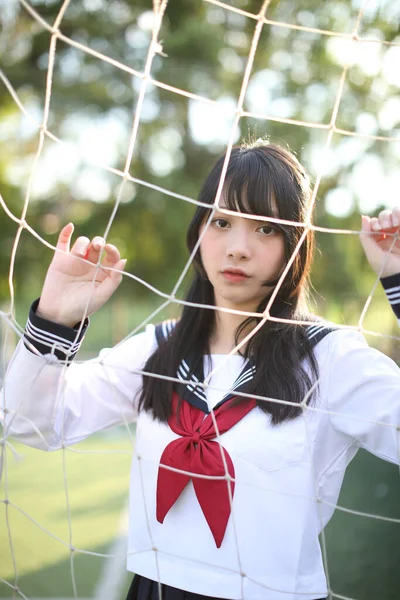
375 224
368 237
110 284
385 219
367 240
81 246
115 275
110 260
396 216
112 256
65 237
95 248
365 224
388 231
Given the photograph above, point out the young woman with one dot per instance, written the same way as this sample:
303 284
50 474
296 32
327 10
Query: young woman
232 481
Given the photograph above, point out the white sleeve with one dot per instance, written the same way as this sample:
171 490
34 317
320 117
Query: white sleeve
364 395
47 404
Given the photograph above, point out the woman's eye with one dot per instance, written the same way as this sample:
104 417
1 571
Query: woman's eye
221 223
267 230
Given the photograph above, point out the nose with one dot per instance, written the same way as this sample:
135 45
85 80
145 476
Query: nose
238 246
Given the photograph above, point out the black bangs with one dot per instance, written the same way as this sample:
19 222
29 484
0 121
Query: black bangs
248 187
266 181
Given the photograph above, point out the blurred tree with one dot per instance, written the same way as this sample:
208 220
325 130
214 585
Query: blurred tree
295 75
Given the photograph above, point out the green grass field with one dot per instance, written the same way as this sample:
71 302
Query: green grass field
97 493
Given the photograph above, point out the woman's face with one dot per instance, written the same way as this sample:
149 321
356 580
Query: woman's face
239 256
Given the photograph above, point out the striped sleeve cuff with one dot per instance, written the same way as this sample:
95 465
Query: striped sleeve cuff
391 285
51 338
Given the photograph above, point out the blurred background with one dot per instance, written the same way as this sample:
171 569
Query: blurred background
79 495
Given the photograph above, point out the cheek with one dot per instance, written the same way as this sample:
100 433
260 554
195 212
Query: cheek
275 254
208 246
205 254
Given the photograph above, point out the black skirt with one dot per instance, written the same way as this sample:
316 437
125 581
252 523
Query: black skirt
146 589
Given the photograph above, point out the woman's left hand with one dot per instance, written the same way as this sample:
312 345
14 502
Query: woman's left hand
380 246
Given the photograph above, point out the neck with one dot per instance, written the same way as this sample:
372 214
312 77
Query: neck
222 339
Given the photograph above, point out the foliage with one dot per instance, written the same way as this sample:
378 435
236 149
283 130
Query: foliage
295 75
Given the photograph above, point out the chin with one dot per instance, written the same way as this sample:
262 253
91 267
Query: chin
245 304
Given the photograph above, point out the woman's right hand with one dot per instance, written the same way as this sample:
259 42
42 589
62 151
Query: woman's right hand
69 281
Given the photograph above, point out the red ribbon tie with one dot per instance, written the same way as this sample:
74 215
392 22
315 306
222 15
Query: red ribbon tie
195 453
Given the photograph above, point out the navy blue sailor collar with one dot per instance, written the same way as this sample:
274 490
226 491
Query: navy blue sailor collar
191 372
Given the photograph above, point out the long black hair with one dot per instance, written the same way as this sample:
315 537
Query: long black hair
259 178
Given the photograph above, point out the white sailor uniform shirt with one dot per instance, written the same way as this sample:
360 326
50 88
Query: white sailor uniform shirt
287 476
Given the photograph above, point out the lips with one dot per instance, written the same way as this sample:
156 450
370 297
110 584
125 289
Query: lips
235 275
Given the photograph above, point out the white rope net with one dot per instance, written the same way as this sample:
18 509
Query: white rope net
145 79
